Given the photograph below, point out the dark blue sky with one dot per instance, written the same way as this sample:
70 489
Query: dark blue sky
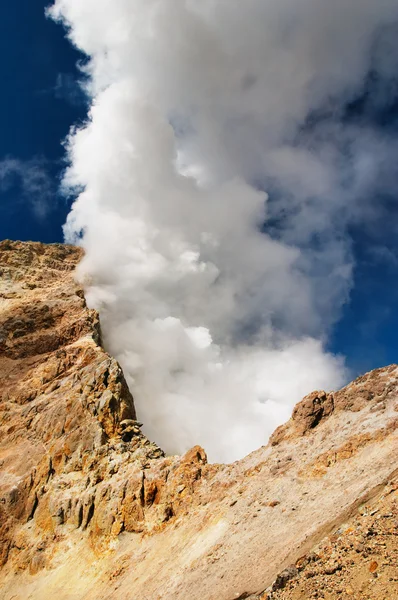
368 330
38 104
40 101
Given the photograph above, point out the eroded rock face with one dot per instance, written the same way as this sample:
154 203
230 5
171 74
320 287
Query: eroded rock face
90 508
67 419
371 390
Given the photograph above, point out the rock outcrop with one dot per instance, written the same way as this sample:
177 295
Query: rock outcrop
91 509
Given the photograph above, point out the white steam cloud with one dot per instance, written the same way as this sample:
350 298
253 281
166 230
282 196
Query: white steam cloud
216 299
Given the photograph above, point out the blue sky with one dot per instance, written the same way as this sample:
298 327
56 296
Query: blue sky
368 329
38 104
40 101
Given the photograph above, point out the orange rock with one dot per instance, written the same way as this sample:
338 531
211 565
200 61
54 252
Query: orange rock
374 565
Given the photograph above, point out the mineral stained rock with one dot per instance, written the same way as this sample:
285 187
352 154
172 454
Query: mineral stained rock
92 509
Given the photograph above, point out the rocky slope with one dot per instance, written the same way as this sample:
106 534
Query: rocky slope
358 560
91 509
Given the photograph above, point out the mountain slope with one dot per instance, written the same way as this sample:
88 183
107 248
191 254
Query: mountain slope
90 508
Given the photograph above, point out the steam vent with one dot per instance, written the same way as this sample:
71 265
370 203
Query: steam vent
91 509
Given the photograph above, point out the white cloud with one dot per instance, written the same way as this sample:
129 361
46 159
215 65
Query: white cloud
69 89
33 180
193 104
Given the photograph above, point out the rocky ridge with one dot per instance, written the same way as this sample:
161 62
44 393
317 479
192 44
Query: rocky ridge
90 508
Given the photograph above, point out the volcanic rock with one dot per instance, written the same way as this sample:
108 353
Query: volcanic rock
92 509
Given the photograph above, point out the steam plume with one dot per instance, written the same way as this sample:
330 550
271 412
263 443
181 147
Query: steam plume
216 298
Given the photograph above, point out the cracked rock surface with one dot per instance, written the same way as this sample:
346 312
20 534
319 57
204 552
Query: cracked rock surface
92 509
